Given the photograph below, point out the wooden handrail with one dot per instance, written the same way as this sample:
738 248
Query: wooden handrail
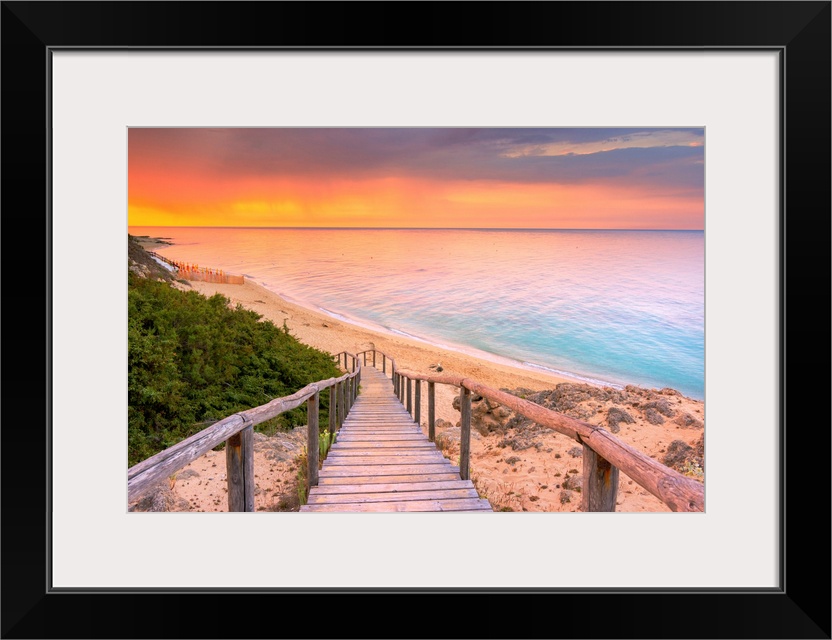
236 431
677 491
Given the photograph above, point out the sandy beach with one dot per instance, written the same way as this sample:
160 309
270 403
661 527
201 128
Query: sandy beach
532 478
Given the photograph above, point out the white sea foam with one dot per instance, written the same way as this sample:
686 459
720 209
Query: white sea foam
575 376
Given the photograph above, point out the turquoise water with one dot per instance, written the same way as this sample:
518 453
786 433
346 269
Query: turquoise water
617 307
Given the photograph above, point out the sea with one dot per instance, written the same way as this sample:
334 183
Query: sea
603 306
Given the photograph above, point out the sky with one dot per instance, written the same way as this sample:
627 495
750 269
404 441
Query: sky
534 178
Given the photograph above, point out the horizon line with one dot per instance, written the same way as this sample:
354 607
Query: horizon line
162 226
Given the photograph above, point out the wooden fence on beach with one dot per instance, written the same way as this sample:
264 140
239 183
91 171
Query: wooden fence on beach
195 272
604 455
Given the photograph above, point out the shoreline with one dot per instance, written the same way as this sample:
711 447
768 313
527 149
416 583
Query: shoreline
462 359
321 331
434 343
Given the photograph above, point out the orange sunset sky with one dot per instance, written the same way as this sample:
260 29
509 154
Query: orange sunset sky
551 178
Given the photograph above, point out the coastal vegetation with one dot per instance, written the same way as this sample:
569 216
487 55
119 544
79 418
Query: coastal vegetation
193 360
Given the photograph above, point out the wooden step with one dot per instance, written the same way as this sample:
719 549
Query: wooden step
382 461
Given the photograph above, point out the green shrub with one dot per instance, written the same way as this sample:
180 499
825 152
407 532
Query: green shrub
192 360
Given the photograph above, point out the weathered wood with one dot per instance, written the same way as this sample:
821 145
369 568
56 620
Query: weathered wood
382 456
347 396
369 452
144 476
382 431
459 504
312 432
417 408
239 466
600 489
383 363
348 436
431 411
410 396
384 470
678 492
333 413
464 433
433 457
384 496
368 446
390 487
339 395
438 476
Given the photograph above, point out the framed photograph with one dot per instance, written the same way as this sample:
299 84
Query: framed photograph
742 89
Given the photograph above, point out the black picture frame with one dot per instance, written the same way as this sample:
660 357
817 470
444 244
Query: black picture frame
799 608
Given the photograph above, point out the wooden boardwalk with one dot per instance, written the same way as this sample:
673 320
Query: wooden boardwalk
381 461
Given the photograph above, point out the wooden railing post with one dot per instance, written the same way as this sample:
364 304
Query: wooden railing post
239 470
431 411
464 433
600 489
347 396
312 440
374 357
410 396
383 363
341 412
365 358
418 402
333 411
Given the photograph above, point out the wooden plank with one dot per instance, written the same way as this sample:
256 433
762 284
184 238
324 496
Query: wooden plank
446 474
431 458
444 494
381 429
377 452
384 470
381 437
379 487
405 506
369 446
